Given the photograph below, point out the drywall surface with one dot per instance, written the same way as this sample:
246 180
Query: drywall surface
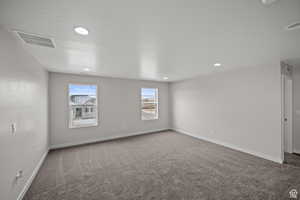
24 96
239 109
296 108
119 104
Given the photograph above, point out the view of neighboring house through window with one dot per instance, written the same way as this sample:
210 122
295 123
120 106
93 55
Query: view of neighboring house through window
149 98
83 105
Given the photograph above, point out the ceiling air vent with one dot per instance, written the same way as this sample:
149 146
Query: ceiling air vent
293 26
36 39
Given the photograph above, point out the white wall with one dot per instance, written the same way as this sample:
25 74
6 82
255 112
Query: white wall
240 109
119 109
23 94
296 108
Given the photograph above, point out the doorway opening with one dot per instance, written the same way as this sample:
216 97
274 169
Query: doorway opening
287 84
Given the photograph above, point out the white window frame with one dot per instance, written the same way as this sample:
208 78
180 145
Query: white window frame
156 101
70 108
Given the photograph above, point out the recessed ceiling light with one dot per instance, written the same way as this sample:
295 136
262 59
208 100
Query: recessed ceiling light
268 2
217 64
86 69
81 30
166 78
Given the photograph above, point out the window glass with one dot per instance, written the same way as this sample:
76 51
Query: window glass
149 103
83 105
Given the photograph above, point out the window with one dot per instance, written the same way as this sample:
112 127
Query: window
149 104
83 105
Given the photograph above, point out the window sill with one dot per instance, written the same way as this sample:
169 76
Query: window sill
149 119
83 126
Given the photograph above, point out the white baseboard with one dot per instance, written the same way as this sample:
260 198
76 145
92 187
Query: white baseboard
33 175
70 144
258 154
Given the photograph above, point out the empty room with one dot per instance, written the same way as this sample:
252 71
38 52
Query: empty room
149 100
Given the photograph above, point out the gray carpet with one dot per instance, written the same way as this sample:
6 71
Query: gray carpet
165 166
292 159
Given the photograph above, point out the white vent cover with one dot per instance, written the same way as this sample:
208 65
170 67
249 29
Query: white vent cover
36 40
293 26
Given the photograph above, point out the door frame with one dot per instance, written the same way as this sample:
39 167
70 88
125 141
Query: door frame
286 89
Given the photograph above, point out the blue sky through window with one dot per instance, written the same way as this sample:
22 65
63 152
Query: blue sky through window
148 92
83 90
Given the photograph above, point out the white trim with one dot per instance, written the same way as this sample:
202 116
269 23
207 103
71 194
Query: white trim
70 144
282 109
33 175
258 154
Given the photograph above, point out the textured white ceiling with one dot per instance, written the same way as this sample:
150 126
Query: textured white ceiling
151 39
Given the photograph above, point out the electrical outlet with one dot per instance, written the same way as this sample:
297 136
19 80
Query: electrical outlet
13 128
19 174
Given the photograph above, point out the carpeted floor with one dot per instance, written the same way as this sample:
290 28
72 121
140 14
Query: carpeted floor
292 159
164 166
